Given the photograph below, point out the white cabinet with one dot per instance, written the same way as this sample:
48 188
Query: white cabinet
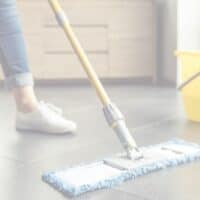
118 36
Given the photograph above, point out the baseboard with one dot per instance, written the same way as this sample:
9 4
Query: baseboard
143 80
115 81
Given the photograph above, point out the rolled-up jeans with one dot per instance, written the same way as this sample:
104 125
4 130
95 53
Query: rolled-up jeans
13 55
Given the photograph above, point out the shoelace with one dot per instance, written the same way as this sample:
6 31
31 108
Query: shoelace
52 107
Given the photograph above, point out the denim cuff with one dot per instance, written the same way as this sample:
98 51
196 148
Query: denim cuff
19 80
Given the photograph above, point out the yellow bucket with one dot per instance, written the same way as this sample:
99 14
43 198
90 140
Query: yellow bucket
190 87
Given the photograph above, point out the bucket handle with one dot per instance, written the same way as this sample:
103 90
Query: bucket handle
188 81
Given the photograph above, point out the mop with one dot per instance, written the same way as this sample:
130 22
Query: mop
134 161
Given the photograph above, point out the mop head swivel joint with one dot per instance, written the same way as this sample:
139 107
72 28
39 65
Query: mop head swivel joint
116 120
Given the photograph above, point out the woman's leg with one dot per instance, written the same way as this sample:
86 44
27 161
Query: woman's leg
32 115
18 77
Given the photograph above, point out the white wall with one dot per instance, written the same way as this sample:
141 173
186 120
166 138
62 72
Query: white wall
188 27
189 24
166 39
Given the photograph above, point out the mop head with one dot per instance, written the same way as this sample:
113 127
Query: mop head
113 171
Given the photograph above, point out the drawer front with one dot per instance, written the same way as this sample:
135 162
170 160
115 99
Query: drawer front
93 39
31 15
35 54
62 66
118 36
1 73
134 19
80 13
136 59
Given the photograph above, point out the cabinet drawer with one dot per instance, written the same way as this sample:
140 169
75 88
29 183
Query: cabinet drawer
80 13
93 39
1 73
31 15
62 66
35 53
136 59
51 64
118 36
132 19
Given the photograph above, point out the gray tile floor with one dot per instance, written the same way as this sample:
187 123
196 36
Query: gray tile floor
153 114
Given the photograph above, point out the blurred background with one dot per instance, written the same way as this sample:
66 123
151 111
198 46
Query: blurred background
125 40
131 44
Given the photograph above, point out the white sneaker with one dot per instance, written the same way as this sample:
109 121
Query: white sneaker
47 118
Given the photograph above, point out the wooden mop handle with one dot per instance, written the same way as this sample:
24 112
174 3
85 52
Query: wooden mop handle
63 21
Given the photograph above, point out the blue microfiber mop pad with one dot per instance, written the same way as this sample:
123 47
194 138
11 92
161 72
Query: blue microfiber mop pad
98 175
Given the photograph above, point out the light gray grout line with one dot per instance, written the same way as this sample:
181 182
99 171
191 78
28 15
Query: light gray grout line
10 158
82 108
133 100
60 153
132 194
99 106
97 142
155 123
23 163
149 125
